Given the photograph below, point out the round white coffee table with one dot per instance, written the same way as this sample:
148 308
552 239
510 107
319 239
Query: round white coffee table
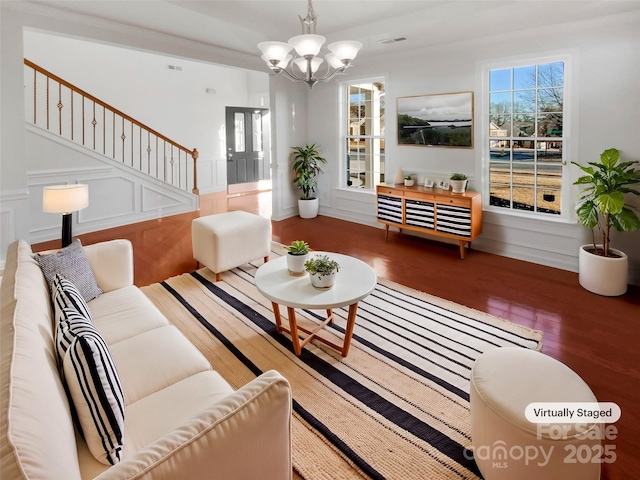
354 281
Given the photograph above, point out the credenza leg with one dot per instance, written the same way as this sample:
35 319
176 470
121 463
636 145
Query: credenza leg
462 242
386 232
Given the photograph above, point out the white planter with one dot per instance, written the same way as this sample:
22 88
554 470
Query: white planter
308 208
458 186
323 282
603 275
409 183
295 264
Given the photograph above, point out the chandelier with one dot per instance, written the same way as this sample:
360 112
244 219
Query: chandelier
308 57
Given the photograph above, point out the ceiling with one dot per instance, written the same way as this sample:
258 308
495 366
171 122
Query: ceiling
238 25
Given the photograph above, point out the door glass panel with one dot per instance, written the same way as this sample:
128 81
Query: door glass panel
257 131
240 132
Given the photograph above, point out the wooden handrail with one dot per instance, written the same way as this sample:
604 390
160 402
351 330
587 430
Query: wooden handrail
150 131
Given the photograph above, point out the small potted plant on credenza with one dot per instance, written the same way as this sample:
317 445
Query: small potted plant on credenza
458 182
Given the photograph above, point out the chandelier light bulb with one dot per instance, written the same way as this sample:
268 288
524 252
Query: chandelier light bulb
302 63
274 51
308 44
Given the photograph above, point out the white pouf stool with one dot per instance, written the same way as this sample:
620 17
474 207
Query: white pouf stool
503 382
227 240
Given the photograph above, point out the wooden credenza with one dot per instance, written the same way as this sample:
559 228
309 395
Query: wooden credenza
438 212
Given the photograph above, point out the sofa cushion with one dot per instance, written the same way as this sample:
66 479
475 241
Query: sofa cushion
153 360
179 403
95 390
70 262
123 313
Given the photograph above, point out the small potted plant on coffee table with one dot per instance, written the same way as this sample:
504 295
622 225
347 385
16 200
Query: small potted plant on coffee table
298 253
322 271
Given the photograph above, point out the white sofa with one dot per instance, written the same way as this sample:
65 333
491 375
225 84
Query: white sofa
182 419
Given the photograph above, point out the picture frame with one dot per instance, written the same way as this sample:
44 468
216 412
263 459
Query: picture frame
428 182
437 120
443 184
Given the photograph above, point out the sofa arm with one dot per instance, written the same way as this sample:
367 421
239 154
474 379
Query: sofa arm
111 263
246 435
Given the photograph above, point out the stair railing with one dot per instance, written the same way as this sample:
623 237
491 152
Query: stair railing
62 108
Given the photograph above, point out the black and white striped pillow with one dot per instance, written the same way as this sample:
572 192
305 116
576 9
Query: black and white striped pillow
96 392
65 294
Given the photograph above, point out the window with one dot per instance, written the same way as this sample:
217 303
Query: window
526 143
363 111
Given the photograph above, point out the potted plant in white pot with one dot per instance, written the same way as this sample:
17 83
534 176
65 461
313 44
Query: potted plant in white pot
322 271
297 255
306 166
458 182
602 269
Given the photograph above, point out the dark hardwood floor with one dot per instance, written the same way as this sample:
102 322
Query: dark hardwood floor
598 337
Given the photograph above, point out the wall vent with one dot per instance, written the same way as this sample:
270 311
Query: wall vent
392 40
176 68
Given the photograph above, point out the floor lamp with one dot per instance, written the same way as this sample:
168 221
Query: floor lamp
65 199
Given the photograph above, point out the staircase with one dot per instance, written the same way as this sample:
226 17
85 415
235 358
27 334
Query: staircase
134 172
64 109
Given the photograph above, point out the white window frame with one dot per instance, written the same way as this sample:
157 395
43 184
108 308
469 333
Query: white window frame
570 115
342 125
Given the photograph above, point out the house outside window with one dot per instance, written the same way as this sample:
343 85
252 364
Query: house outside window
363 109
527 143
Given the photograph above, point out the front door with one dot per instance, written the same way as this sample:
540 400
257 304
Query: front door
246 159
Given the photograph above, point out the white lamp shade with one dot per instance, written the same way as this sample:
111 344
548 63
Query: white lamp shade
346 50
282 64
301 63
307 44
274 51
334 61
65 198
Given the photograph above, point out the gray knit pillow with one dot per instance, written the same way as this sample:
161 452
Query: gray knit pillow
72 264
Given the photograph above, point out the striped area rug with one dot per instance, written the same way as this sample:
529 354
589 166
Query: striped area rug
397 407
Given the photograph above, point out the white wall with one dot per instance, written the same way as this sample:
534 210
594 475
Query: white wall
606 96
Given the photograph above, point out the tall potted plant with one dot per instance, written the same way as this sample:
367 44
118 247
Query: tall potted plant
306 166
602 269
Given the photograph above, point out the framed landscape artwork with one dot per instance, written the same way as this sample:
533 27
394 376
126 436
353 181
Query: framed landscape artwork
441 120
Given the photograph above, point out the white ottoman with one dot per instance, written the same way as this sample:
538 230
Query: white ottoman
227 240
503 382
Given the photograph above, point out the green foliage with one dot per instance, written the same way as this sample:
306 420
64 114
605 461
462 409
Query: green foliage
321 265
458 176
298 247
602 202
306 165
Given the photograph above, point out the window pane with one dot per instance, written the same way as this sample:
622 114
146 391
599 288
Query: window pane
500 80
240 129
523 198
551 74
549 151
524 77
550 125
499 103
500 150
500 126
257 131
524 101
550 100
524 125
500 195
523 151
